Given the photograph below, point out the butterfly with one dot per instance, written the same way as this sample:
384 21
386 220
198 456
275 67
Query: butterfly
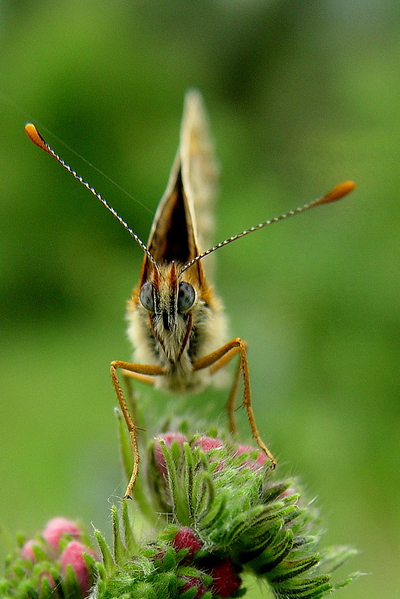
176 321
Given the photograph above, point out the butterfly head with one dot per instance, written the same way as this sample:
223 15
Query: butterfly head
166 297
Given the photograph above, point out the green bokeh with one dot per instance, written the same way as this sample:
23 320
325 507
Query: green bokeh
301 95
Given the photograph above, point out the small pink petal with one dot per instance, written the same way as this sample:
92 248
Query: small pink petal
168 439
190 582
226 581
73 556
49 578
27 551
208 443
287 493
252 464
185 538
56 528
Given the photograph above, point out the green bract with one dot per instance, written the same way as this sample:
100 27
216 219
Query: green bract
217 513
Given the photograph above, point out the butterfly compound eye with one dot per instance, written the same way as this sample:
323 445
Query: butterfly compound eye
186 296
146 297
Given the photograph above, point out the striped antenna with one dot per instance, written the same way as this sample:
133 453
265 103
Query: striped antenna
337 193
39 141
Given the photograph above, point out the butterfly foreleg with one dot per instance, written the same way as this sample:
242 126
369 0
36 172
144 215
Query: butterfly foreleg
219 358
230 404
142 372
130 396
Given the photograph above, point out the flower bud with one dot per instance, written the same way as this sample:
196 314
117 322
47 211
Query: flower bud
28 550
185 538
56 528
208 443
73 556
253 464
193 582
225 578
158 455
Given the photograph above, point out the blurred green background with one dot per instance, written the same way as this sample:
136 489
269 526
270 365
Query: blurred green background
301 96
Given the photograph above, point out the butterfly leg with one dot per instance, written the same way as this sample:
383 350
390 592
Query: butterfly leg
137 371
130 393
216 360
230 404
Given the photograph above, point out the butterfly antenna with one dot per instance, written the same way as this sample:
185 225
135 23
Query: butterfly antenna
337 193
39 141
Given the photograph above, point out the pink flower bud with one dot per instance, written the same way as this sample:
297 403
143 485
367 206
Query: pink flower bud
186 539
251 463
168 439
73 556
287 493
190 582
208 443
225 579
56 528
49 579
27 550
